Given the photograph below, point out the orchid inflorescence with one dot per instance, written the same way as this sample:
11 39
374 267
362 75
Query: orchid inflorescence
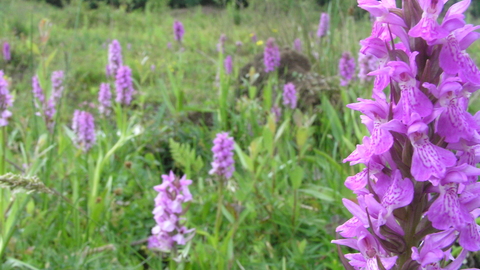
83 126
323 25
48 108
346 68
223 164
418 194
271 56
169 230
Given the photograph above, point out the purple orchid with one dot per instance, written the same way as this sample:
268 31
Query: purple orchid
271 56
418 193
105 99
170 230
223 164
346 68
83 126
178 31
290 95
6 101
227 63
323 25
115 59
124 85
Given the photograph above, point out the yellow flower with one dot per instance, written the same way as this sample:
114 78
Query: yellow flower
260 43
274 30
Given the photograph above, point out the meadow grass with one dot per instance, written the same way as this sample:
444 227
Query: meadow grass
284 201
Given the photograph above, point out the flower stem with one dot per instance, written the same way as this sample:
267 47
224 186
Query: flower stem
218 219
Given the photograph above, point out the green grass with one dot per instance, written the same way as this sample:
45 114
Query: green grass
289 176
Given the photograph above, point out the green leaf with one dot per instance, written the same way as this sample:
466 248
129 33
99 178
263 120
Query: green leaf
227 214
244 159
185 157
301 246
268 140
323 194
302 137
50 58
282 128
335 123
296 176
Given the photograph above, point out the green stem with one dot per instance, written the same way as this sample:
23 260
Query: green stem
4 148
98 170
219 208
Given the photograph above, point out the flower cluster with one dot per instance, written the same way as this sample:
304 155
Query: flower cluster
418 193
297 45
271 56
83 126
227 63
6 101
323 25
223 163
6 52
169 230
57 85
48 107
366 64
105 99
290 95
115 59
37 92
124 85
346 68
178 31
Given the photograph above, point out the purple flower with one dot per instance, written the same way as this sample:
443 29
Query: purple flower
178 31
48 107
221 43
169 230
84 128
124 85
6 51
37 92
49 110
418 193
290 95
223 163
6 101
346 68
152 67
239 44
428 28
105 99
57 84
297 45
115 59
366 64
323 25
227 63
271 56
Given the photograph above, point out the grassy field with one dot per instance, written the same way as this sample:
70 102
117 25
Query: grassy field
283 203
